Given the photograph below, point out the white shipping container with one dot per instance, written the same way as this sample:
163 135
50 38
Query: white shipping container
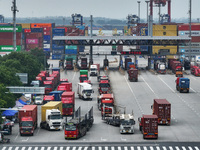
193 33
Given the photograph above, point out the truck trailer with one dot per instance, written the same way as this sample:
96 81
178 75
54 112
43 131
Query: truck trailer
51 116
85 91
183 84
27 119
68 103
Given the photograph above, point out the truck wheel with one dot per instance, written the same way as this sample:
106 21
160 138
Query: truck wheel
140 128
187 91
48 127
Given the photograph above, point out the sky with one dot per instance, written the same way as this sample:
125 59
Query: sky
116 9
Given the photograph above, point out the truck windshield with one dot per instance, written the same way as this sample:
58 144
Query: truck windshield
27 123
67 106
55 116
84 78
68 63
87 91
162 67
70 127
127 122
93 69
104 85
109 104
47 85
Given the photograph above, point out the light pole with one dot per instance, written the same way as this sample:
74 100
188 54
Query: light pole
190 21
14 9
139 10
147 11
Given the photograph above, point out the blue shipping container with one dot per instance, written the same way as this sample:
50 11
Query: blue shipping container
47 37
56 57
47 49
58 34
81 48
58 51
36 29
144 48
46 42
55 30
56 42
54 46
81 27
70 51
129 63
144 31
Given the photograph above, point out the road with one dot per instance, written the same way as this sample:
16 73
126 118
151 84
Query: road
137 97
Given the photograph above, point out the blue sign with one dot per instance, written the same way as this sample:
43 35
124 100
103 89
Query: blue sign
183 50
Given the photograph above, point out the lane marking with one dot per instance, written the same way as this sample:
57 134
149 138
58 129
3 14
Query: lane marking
16 148
190 148
29 148
119 148
25 139
171 148
17 136
196 148
73 76
79 148
132 148
61 148
167 84
36 148
48 148
42 148
112 148
23 148
177 148
100 148
55 148
85 148
125 148
145 148
138 148
164 148
67 148
4 148
74 148
151 148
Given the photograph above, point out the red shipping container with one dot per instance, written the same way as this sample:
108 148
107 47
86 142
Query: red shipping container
195 39
33 35
40 40
81 32
32 41
8 35
187 27
47 32
46 28
72 34
9 41
27 30
75 30
31 46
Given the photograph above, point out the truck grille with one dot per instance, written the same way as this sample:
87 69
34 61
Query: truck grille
88 94
104 89
56 123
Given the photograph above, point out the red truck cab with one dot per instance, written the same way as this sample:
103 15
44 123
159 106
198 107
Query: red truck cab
28 119
48 98
83 78
148 125
63 80
68 103
68 86
48 86
104 87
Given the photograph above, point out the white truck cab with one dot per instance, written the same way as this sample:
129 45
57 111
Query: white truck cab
39 100
127 123
54 119
85 91
93 70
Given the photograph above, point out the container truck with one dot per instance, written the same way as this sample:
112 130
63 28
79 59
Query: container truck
85 91
68 85
84 63
48 98
162 108
161 68
126 62
195 70
183 84
57 95
177 68
133 75
68 103
51 116
69 64
83 75
104 87
48 86
127 123
27 119
95 70
148 125
79 125
63 80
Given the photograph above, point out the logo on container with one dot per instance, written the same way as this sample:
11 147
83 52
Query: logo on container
32 41
7 29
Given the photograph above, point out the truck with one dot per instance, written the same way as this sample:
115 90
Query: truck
85 91
161 68
69 64
127 123
177 68
127 59
68 103
78 126
95 70
48 98
83 75
104 87
162 108
38 99
183 84
57 95
195 70
28 119
104 77
133 75
106 105
84 63
67 85
148 125
63 80
51 116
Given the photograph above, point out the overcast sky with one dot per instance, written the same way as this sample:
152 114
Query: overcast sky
118 9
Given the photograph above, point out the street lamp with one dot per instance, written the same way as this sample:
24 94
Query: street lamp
147 11
138 10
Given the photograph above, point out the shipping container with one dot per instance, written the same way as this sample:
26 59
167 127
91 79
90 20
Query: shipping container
47 32
126 62
165 33
164 50
186 27
162 108
70 51
10 41
195 39
25 25
165 27
193 33
81 48
58 31
47 37
47 29
27 30
70 47
10 29
32 46
8 35
46 46
57 51
54 46
36 29
9 48
56 57
46 42
47 49
58 34
33 35
41 25
32 41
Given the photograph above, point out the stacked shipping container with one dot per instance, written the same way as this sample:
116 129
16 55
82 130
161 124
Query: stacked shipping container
183 30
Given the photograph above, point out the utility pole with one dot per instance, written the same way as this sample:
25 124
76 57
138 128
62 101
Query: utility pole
147 11
91 48
139 10
159 12
190 21
14 9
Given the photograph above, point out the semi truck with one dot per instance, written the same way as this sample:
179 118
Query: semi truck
133 75
162 108
51 116
27 119
85 91
148 125
83 75
95 70
69 64
68 103
183 84
67 86
195 70
84 63
104 87
48 98
161 68
78 126
57 95
177 68
127 123
128 59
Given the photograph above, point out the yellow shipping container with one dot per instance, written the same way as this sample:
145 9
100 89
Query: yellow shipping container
165 27
164 33
50 105
158 49
25 25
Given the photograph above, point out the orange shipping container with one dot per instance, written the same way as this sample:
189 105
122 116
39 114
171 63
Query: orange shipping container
40 25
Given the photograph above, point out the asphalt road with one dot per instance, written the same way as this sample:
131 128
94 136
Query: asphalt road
137 97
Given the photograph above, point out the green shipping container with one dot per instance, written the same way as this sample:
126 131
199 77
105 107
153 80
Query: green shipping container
70 56
9 48
70 47
10 29
84 72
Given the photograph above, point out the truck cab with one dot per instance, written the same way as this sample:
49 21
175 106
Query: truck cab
133 74
161 68
68 102
48 86
39 100
104 87
182 84
127 123
48 98
94 70
85 91
26 125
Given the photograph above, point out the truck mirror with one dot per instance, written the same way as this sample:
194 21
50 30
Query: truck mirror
139 119
93 91
48 117
151 106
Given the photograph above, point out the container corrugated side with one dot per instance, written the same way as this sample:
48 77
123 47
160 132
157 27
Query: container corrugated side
56 57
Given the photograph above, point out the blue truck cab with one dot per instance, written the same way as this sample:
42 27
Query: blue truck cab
182 84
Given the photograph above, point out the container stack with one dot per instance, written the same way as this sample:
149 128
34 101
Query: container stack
183 30
57 48
6 38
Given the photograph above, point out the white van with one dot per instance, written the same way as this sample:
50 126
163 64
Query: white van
39 100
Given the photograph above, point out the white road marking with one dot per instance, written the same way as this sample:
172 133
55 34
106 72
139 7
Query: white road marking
125 148
196 148
119 148
30 148
100 148
167 84
151 148
42 148
138 148
171 148
86 148
145 148
93 148
61 148
16 148
106 148
112 148
190 148
36 148
23 148
67 148
48 148
193 90
177 148
157 147
132 148
17 136
55 148
73 76
164 148
24 140
74 148
79 148
4 148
